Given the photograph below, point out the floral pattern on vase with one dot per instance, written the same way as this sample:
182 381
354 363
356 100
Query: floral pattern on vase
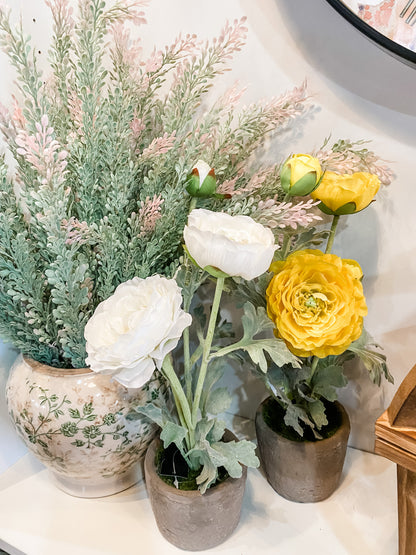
74 421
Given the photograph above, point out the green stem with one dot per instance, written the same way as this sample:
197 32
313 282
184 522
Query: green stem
182 420
285 247
313 367
187 356
178 393
187 364
286 241
207 348
332 234
192 204
196 355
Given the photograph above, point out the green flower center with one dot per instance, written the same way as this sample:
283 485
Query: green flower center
312 304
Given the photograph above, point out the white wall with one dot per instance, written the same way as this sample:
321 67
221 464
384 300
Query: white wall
360 93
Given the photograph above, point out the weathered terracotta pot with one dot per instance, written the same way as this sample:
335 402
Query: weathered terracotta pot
302 471
188 519
74 421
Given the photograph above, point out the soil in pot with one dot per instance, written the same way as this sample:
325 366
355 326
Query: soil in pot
273 415
173 470
302 470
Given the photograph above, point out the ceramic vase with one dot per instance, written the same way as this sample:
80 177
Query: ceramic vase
74 422
191 520
302 471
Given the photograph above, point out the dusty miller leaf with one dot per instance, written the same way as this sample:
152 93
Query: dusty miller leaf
218 400
325 381
173 433
374 361
317 412
256 321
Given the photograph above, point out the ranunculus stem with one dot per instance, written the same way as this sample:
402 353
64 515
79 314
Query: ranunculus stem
181 401
314 366
207 348
187 356
285 246
332 234
192 204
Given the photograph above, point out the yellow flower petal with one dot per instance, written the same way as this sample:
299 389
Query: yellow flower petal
317 303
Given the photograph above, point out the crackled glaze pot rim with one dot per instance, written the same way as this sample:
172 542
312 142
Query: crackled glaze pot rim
44 368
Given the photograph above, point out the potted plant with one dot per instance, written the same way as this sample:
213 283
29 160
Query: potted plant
93 193
195 472
316 302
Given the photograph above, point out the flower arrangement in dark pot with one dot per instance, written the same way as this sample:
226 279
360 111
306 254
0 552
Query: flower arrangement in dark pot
316 302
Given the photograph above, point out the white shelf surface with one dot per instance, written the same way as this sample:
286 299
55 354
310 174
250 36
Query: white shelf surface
360 518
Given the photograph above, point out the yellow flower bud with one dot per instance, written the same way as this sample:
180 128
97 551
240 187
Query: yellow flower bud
300 175
346 194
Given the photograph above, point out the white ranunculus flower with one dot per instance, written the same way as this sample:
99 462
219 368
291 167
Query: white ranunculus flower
132 331
237 245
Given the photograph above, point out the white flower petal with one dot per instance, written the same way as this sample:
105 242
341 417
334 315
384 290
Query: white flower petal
135 328
237 245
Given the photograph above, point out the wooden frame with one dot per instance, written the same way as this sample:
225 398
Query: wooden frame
396 440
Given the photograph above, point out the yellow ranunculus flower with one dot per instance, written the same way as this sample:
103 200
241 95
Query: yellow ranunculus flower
300 174
316 302
346 194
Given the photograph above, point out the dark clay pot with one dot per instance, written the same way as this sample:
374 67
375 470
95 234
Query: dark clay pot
302 471
188 519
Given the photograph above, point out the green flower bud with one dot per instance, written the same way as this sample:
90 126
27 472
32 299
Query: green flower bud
201 182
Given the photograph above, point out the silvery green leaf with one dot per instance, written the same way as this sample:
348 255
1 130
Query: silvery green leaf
157 414
317 412
217 431
210 430
209 471
215 373
218 400
374 361
202 429
275 348
255 321
294 415
232 455
173 433
325 381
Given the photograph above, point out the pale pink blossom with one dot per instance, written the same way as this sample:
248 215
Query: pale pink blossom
62 16
232 37
75 111
149 213
160 145
18 117
154 62
227 187
232 96
182 46
349 161
287 106
43 152
286 214
76 231
126 51
254 184
137 125
132 9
